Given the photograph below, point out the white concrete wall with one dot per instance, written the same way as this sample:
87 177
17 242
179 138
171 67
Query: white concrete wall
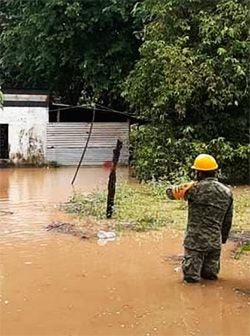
27 132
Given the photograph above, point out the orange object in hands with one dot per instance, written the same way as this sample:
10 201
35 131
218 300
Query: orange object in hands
179 192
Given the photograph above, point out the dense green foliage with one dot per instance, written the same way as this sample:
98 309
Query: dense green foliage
191 83
180 64
194 58
159 155
68 46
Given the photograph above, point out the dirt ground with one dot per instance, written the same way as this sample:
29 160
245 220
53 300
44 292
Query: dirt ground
54 285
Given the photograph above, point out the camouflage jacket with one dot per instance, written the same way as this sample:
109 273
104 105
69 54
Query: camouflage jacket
210 212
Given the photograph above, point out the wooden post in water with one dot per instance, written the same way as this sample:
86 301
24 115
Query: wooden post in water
112 179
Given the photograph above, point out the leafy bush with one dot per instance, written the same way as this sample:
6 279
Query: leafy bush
158 155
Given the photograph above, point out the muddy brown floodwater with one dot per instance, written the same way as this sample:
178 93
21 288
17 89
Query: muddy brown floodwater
55 285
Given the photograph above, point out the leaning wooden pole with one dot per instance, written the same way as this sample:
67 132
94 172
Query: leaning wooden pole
85 147
112 179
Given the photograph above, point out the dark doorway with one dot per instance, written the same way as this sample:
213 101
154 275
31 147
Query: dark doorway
4 143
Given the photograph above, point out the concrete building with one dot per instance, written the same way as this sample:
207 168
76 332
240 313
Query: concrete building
23 127
33 131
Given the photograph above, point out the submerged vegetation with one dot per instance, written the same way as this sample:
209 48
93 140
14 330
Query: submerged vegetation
137 207
244 248
145 207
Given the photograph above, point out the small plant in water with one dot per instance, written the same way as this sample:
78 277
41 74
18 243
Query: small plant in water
244 248
87 204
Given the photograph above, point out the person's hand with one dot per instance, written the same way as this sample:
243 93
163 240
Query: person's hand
169 192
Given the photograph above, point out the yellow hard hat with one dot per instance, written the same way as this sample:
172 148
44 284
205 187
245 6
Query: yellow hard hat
205 162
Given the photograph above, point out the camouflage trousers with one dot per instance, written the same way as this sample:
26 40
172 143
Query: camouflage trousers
197 264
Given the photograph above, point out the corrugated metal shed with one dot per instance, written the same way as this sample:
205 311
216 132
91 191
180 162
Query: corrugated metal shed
65 142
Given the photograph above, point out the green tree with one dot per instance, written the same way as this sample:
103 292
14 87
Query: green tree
68 46
194 60
192 73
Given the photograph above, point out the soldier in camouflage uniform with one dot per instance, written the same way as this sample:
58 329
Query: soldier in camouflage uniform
210 211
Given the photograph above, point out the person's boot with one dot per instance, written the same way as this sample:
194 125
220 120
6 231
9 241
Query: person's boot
209 276
188 279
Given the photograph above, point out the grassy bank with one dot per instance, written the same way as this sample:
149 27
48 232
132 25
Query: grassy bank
145 207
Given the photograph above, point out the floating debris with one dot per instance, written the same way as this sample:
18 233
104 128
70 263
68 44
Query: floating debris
242 291
175 257
69 228
105 237
106 234
2 212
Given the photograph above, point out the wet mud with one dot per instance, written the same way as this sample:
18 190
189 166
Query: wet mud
56 284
